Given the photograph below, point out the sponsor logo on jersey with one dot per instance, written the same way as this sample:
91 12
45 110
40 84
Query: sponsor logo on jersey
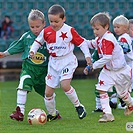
39 58
57 47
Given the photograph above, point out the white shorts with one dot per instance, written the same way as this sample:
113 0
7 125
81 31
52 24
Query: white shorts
60 68
120 79
131 65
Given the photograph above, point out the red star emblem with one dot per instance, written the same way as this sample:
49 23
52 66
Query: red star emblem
63 35
101 82
49 76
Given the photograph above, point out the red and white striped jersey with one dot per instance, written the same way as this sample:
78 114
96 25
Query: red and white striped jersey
110 52
60 43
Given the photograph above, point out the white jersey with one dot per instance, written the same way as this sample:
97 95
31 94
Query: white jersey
110 52
125 38
60 43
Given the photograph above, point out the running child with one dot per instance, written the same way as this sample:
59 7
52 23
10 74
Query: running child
115 71
33 71
60 39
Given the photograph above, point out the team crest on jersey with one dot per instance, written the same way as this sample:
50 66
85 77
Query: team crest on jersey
39 58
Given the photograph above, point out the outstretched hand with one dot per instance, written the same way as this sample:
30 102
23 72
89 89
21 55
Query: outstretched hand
2 55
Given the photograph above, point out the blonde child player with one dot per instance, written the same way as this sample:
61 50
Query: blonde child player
121 28
33 71
60 39
115 71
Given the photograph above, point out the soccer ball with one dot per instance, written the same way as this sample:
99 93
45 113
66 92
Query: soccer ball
37 117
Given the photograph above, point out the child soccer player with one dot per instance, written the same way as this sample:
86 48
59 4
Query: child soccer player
131 29
121 28
60 39
33 71
112 94
131 35
115 71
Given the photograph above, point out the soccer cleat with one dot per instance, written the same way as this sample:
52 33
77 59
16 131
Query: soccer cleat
97 110
53 117
17 115
81 111
113 105
128 110
107 118
121 107
123 104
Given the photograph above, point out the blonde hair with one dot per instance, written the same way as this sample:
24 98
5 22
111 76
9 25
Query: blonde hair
101 18
121 20
36 14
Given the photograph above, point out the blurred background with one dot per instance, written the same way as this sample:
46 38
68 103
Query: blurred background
78 13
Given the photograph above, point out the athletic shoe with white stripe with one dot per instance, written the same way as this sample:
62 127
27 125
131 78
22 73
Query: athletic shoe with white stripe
81 111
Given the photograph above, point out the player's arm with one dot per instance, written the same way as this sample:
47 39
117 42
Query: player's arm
81 42
95 57
39 41
14 48
106 54
102 61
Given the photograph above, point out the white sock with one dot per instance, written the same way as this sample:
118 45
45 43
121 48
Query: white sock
98 103
21 100
50 104
128 99
72 95
104 99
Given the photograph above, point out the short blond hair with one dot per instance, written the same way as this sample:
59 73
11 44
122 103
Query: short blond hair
121 20
36 14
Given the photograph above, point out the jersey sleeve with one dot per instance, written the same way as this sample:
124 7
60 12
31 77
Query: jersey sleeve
76 38
105 52
16 47
39 41
80 42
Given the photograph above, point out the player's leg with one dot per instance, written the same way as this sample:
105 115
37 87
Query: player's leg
39 82
52 82
98 103
123 85
69 65
113 98
24 87
51 104
104 83
72 96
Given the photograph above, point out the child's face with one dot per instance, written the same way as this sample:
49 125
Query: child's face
56 22
36 26
99 30
131 30
119 29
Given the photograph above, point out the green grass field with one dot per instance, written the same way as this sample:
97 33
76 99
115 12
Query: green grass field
70 122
